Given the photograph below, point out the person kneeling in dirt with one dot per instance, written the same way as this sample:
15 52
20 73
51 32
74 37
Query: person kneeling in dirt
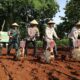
49 33
73 36
13 38
32 35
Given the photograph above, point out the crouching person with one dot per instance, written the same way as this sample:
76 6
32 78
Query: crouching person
13 39
32 35
51 45
73 37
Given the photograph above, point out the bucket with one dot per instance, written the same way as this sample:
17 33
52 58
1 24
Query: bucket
76 54
52 44
77 43
22 44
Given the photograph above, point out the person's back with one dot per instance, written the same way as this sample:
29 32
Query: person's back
73 35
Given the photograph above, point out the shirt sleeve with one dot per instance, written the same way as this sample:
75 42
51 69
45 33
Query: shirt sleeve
46 32
28 31
54 34
75 32
79 32
37 30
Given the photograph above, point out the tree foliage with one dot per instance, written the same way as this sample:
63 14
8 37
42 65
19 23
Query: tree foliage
73 11
72 16
20 10
23 11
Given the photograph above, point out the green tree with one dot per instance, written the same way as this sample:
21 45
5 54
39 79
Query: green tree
26 10
72 16
73 11
64 27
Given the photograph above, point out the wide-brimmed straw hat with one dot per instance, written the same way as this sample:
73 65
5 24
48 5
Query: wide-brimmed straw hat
78 23
51 22
15 24
34 22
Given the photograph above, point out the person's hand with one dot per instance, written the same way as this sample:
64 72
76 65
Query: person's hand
10 37
58 38
37 37
43 37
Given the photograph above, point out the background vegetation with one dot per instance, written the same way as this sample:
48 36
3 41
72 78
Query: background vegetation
23 11
72 16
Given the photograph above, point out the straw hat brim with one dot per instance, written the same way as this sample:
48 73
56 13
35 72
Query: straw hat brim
34 22
78 23
15 24
51 22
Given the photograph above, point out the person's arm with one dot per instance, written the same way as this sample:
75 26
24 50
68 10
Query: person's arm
54 33
37 32
10 34
28 31
74 32
14 34
0 35
79 32
47 33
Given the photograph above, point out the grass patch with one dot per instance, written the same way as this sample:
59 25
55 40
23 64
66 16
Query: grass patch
63 42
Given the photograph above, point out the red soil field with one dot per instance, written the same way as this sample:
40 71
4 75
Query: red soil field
33 69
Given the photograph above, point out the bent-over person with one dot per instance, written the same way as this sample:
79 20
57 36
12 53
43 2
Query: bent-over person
13 38
32 35
49 33
73 35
